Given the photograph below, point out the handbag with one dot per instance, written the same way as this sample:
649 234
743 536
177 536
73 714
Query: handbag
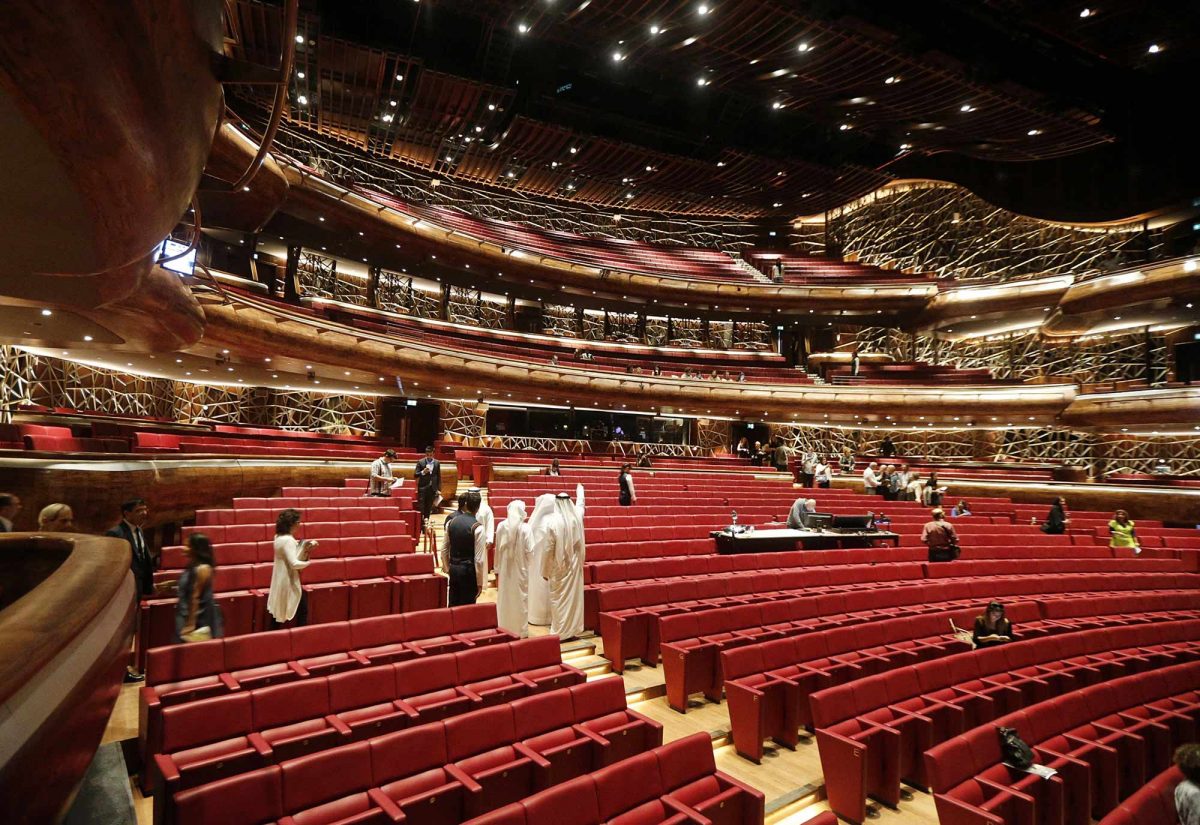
200 634
1016 753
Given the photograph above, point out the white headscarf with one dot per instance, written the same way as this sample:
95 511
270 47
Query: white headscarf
516 514
543 507
572 530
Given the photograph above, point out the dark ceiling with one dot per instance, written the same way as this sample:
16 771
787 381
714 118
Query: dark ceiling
761 108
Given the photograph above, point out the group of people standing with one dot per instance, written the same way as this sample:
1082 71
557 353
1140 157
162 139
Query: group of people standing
898 483
539 561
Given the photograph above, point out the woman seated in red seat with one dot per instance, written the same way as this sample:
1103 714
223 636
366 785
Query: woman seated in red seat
992 628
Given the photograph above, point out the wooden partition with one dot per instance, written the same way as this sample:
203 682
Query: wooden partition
64 640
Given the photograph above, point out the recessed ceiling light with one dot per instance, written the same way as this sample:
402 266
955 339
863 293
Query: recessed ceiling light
399 78
47 312
702 9
617 57
522 28
1154 48
689 41
300 75
1034 132
803 47
966 107
299 38
654 29
87 338
1086 12
776 105
892 79
302 100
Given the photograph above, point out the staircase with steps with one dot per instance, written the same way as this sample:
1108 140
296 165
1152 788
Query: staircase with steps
749 268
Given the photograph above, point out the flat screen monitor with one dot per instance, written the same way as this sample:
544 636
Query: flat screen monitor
184 265
819 521
852 522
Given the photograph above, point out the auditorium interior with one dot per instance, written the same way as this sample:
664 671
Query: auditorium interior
932 267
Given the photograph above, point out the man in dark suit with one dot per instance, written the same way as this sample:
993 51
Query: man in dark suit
142 560
429 482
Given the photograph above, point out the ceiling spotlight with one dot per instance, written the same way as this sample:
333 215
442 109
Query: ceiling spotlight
299 38
399 78
617 57
47 312
904 147
87 338
491 107
522 28
892 79
386 119
573 150
777 204
844 127
702 9
702 81
1034 132
302 100
655 30
1086 12
776 105
966 107
804 47
300 75
1154 48
649 168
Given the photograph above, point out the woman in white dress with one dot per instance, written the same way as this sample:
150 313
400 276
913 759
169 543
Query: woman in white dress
286 599
513 552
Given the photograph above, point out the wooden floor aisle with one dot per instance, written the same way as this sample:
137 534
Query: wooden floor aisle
791 780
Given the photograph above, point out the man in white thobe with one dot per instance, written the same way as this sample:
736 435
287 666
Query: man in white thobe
513 552
563 554
538 595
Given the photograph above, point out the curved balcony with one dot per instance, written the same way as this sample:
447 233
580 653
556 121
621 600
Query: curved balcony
255 328
66 612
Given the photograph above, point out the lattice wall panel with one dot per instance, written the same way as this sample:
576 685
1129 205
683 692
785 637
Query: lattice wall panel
55 383
713 436
1140 455
1127 356
463 419
947 230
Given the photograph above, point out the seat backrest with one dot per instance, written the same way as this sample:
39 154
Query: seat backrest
206 720
290 702
175 663
628 784
479 731
575 801
426 624
361 688
595 699
536 651
685 760
256 796
416 677
470 617
377 630
407 752
482 663
543 712
322 777
256 649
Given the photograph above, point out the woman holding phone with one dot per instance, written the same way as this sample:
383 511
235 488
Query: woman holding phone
286 599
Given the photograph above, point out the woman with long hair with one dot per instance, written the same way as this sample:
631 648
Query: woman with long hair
286 600
197 615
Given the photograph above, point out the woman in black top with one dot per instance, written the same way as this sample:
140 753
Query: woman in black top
626 496
196 608
992 628
1057 519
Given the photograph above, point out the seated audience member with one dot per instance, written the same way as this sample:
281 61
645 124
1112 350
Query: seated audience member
871 479
915 489
10 505
286 599
1187 792
992 628
847 461
961 509
1122 532
934 491
1057 521
197 615
555 469
802 508
823 473
381 475
56 518
940 537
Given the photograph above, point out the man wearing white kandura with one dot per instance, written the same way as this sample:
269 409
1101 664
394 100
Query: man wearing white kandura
513 553
557 531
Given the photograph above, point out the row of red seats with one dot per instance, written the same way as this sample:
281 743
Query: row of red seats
359 509
1103 741
184 673
394 532
210 739
677 783
624 611
872 732
769 684
337 590
60 440
440 773
1153 804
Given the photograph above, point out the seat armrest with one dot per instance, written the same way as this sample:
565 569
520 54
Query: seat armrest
407 709
167 769
384 802
358 657
260 745
229 682
470 694
337 724
300 669
531 755
592 735
467 782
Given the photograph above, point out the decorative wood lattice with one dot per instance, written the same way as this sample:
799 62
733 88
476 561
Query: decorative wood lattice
1125 356
713 436
947 230
55 383
1141 454
463 419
